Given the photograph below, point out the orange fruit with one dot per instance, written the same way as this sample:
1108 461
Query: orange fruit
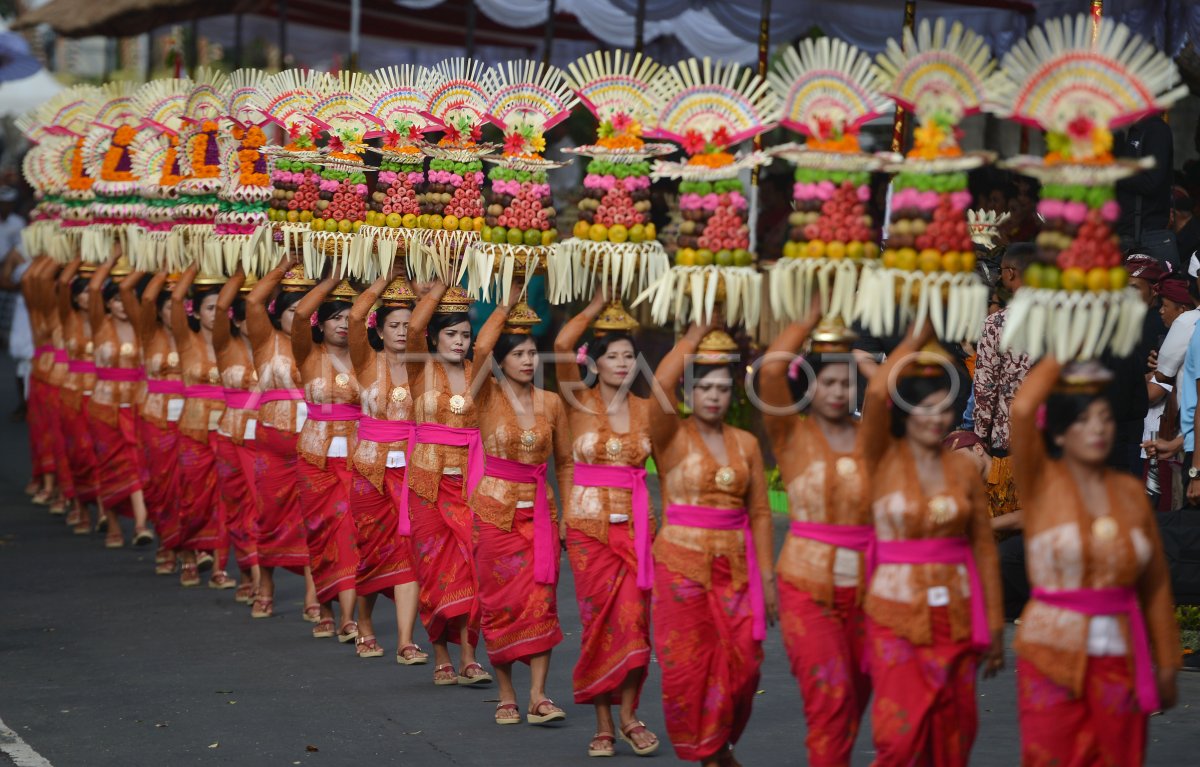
890 258
835 250
950 261
1074 279
906 259
1118 278
581 229
685 257
1097 279
929 260
967 261
814 249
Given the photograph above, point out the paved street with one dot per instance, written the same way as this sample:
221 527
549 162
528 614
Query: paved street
102 663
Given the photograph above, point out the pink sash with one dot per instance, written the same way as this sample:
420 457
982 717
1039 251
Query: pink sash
333 411
61 357
380 430
280 395
728 519
856 537
204 391
83 367
1114 601
241 399
545 542
938 551
120 375
164 386
451 436
633 479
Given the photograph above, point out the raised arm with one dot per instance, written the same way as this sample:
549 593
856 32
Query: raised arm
565 368
564 460
1028 450
485 383
302 340
65 278
418 323
96 295
664 424
362 356
762 528
179 325
149 308
129 298
222 325
773 387
258 322
874 432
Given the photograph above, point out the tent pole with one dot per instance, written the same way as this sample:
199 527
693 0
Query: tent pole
900 123
1097 14
470 46
237 41
355 26
639 27
548 47
764 51
283 20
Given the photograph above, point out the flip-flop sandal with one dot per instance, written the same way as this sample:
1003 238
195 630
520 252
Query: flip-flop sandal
603 737
627 732
189 576
445 681
348 632
262 607
143 538
482 677
114 542
312 613
414 658
204 560
505 707
556 714
323 629
367 647
221 581
244 594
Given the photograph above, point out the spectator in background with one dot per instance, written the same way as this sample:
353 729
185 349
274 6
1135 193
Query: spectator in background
1128 389
1145 199
1178 311
999 372
1024 225
1184 224
11 224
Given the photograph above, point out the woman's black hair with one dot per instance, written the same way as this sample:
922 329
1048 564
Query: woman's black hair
281 303
1064 409
327 310
141 285
198 296
109 290
912 390
239 315
78 285
381 315
163 297
440 322
703 371
506 343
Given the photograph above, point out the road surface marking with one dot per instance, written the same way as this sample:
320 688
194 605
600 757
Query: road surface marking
21 753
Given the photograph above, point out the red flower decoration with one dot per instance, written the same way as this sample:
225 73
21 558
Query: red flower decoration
621 121
1080 128
294 131
452 134
721 137
514 143
476 133
336 145
391 138
693 142
414 133
824 128
314 133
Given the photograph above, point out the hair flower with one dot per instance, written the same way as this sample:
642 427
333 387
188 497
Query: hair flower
581 355
312 320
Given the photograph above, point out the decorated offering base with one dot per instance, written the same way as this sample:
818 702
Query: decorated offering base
396 202
700 293
374 250
241 225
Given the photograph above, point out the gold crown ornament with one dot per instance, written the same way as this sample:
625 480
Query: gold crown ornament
456 300
1088 378
295 280
614 318
120 268
521 319
832 336
249 284
343 292
398 293
930 361
204 280
716 348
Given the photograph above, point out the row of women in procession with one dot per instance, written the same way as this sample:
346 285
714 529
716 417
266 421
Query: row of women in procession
263 355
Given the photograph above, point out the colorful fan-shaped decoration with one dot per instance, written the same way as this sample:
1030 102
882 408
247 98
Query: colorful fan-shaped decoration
827 92
457 100
396 102
1077 81
288 98
527 99
245 86
712 106
161 103
70 111
616 85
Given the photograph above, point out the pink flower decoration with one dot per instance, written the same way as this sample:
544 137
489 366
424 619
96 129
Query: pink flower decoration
313 320
188 306
1050 208
372 320
1110 210
863 193
1075 212
271 307
229 312
1040 419
794 367
581 355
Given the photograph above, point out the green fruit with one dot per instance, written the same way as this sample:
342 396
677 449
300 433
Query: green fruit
331 225
704 257
533 237
515 236
723 257
742 257
499 235
1033 276
637 233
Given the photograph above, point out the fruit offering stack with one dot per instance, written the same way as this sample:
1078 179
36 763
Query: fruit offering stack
715 227
520 210
830 219
616 202
245 200
297 190
1077 247
928 230
395 202
454 190
341 200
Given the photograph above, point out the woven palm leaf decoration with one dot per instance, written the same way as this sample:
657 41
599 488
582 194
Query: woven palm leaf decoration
941 75
201 163
622 253
287 99
108 157
828 92
1078 89
709 108
242 230
60 126
161 105
518 232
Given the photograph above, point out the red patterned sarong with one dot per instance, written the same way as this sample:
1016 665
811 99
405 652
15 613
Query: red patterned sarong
825 647
1102 726
441 537
81 452
118 459
615 614
704 641
518 615
55 416
924 710
160 446
385 558
201 522
239 502
41 438
325 504
281 536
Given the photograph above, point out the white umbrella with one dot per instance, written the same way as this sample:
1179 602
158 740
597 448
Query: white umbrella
20 96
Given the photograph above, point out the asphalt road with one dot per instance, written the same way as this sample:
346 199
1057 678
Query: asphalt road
103 663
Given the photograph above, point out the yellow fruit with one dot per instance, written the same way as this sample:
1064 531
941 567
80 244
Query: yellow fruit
618 233
906 259
705 257
598 232
582 229
967 261
651 232
344 225
477 223
685 257
870 250
294 216
450 223
466 224
790 249
929 260
854 249
890 258
1074 279
814 248
305 216
1097 279
548 237
409 220
835 250
433 221
1118 278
